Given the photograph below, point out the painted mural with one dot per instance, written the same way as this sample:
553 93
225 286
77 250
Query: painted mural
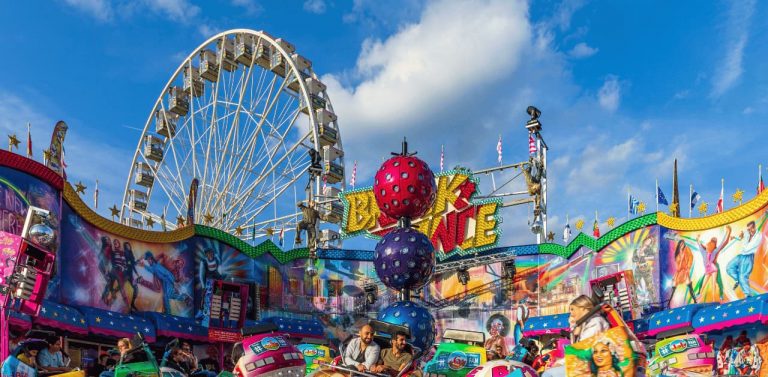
218 261
17 192
715 265
563 280
110 272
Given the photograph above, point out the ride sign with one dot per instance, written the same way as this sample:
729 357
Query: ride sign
456 221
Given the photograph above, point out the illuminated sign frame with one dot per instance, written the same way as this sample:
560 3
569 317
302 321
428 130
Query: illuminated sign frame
458 222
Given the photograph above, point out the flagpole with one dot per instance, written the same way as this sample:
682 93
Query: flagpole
690 202
629 202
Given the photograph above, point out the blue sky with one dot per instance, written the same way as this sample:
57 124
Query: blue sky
624 87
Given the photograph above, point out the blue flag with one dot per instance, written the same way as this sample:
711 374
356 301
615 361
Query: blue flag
633 203
662 199
695 197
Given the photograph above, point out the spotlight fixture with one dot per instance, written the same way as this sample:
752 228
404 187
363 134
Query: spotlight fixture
463 275
533 125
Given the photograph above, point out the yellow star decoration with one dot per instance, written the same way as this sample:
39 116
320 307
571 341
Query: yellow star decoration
98 319
13 142
114 210
80 188
673 209
150 223
579 224
641 207
239 230
611 221
270 231
703 208
738 196
551 236
179 220
208 218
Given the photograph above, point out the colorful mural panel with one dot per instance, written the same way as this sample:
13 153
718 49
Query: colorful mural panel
110 272
17 192
715 265
563 280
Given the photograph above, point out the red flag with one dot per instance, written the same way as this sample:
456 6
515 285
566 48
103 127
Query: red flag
720 201
531 144
596 229
760 184
29 142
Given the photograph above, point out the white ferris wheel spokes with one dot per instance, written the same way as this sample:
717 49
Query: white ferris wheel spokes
239 117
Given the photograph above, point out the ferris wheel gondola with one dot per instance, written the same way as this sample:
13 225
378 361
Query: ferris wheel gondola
242 132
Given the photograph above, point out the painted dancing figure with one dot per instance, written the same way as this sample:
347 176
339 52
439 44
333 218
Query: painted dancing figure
163 282
683 264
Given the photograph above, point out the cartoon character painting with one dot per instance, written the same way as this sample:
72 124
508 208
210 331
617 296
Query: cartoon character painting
163 281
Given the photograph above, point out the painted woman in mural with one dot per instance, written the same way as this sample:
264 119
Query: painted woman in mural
498 327
643 259
682 276
108 270
710 252
163 281
605 359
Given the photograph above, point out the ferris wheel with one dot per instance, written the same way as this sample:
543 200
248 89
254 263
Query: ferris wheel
241 134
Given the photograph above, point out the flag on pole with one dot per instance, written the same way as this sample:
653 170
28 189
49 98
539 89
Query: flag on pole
695 197
720 203
280 236
566 232
498 149
596 229
29 141
531 144
633 203
96 195
661 198
442 157
354 175
760 184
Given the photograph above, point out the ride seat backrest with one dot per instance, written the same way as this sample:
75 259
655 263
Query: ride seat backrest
135 355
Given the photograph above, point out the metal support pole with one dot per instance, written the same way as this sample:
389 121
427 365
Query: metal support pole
5 336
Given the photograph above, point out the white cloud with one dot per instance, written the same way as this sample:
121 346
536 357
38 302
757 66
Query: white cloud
737 34
251 6
609 95
181 11
315 6
682 94
98 9
176 10
455 49
582 50
565 11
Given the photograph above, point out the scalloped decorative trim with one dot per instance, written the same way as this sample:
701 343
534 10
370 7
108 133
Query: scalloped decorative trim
716 220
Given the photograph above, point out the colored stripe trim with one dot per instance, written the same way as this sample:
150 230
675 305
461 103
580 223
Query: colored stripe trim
31 167
757 318
583 240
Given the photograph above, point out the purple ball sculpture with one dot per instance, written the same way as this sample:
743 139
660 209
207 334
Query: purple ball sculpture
417 319
404 259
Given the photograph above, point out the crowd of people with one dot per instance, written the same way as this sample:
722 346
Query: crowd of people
48 358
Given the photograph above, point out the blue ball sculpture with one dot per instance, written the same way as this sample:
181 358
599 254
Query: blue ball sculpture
416 318
404 259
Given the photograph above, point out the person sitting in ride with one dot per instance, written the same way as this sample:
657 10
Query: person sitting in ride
362 352
177 361
28 357
51 359
123 346
587 328
395 359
